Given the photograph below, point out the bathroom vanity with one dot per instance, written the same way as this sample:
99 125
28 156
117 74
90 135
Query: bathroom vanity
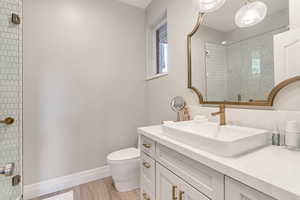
174 170
228 64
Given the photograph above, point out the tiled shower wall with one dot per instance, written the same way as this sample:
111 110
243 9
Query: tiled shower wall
10 95
242 80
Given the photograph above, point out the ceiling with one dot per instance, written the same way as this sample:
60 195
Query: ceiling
223 19
137 3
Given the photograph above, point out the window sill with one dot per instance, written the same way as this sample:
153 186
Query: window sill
156 76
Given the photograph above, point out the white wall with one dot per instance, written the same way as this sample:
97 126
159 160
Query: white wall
181 20
294 14
84 91
77 54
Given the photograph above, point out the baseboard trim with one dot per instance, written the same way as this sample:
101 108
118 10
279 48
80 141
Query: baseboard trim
65 182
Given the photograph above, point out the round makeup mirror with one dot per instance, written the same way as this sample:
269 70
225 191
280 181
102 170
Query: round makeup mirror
177 104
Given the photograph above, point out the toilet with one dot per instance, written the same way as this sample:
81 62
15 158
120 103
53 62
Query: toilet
124 166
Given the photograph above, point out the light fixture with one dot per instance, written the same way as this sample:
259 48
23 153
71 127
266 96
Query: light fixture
206 6
251 14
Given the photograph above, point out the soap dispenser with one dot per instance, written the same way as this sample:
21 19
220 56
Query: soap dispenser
276 136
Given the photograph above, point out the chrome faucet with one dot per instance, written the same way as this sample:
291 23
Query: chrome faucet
222 115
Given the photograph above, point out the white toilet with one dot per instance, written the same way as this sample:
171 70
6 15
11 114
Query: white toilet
125 170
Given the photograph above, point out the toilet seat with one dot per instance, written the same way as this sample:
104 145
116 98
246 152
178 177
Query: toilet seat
125 167
124 155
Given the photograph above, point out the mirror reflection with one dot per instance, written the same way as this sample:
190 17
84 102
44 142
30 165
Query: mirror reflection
232 52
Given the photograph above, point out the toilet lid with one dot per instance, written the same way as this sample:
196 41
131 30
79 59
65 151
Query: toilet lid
124 154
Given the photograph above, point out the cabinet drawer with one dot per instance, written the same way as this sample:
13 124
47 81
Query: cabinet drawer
201 177
148 172
235 190
148 146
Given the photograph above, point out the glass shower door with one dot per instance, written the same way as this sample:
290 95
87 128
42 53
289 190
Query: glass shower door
10 99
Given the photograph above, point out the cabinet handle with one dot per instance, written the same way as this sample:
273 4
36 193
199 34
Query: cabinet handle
181 193
148 146
174 188
145 197
7 121
147 165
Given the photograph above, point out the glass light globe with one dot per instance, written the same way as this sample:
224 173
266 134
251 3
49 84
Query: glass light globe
206 6
251 14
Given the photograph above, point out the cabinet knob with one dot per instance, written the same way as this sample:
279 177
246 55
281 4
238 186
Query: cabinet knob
148 146
147 165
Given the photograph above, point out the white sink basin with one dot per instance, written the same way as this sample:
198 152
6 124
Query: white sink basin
226 140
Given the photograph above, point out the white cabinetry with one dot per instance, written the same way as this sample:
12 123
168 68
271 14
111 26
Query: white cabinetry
168 175
235 190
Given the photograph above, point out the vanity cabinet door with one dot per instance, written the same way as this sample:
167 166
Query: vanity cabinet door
167 184
235 190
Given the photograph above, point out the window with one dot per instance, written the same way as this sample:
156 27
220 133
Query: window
161 49
157 64
256 63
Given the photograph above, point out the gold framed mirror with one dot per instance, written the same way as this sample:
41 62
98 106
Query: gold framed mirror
247 77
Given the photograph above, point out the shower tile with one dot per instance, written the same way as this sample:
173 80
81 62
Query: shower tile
10 95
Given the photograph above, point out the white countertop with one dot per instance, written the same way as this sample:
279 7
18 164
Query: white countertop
272 170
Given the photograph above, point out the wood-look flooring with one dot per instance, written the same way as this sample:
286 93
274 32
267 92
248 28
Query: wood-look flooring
97 190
